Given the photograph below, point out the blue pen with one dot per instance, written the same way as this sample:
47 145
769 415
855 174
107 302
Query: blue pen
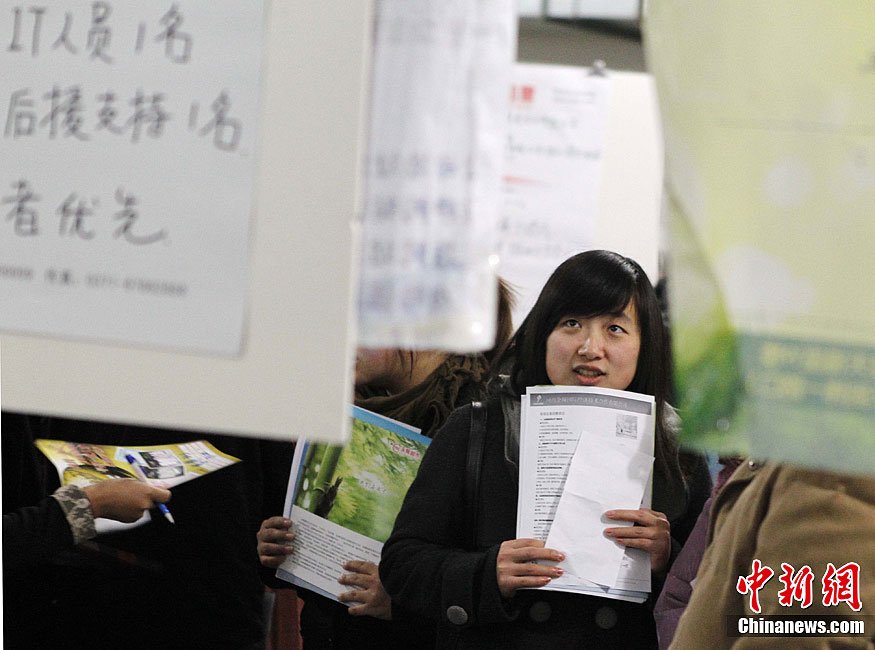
142 475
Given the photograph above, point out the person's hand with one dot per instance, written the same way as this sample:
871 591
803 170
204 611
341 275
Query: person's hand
372 598
515 570
651 532
275 539
123 499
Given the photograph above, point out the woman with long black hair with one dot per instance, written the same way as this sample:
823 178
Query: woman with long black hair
597 322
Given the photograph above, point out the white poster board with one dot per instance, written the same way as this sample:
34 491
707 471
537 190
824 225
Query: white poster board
293 375
127 158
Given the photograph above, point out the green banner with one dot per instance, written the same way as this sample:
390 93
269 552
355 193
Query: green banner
768 112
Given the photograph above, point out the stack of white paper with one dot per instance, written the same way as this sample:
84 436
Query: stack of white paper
584 451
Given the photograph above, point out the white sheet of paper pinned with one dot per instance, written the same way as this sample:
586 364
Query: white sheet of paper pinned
144 240
552 173
602 477
433 173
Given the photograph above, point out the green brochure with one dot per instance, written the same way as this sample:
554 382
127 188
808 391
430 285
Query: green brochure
343 499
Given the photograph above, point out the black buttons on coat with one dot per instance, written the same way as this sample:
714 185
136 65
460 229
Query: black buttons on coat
540 611
606 617
457 615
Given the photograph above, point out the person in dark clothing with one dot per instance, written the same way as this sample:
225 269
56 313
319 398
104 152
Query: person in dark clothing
33 534
596 323
420 388
192 584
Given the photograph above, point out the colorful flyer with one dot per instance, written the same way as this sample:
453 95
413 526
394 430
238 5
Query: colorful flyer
343 500
82 464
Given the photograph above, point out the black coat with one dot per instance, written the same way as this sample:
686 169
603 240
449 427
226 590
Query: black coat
194 584
429 566
35 528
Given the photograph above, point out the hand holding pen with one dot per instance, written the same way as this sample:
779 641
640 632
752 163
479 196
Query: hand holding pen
142 476
123 500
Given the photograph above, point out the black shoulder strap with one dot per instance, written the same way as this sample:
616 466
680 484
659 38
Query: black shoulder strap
476 442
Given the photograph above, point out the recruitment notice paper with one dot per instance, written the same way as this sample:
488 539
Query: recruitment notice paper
552 173
771 188
437 131
343 500
127 158
584 451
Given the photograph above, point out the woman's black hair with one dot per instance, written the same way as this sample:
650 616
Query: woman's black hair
589 284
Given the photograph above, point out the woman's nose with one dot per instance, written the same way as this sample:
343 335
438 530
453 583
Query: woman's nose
591 346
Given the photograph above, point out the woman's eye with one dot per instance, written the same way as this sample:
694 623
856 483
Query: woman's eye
616 329
571 322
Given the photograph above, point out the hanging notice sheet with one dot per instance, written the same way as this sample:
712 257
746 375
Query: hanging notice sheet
771 188
343 500
437 128
552 173
584 451
127 165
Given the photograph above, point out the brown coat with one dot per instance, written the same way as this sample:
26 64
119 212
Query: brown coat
781 514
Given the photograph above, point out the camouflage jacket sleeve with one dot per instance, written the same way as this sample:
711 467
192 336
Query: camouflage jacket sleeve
77 510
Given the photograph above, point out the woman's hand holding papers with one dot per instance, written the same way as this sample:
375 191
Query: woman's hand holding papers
372 598
651 532
515 569
275 539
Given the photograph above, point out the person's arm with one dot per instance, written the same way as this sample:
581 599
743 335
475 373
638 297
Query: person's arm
698 491
813 518
35 534
123 500
776 515
678 586
426 566
275 533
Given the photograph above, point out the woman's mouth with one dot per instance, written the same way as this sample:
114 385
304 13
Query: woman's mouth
588 375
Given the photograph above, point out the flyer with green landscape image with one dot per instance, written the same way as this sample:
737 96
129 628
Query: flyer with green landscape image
362 484
343 499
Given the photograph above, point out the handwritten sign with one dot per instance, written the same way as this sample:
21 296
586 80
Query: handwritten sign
127 158
433 166
552 173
